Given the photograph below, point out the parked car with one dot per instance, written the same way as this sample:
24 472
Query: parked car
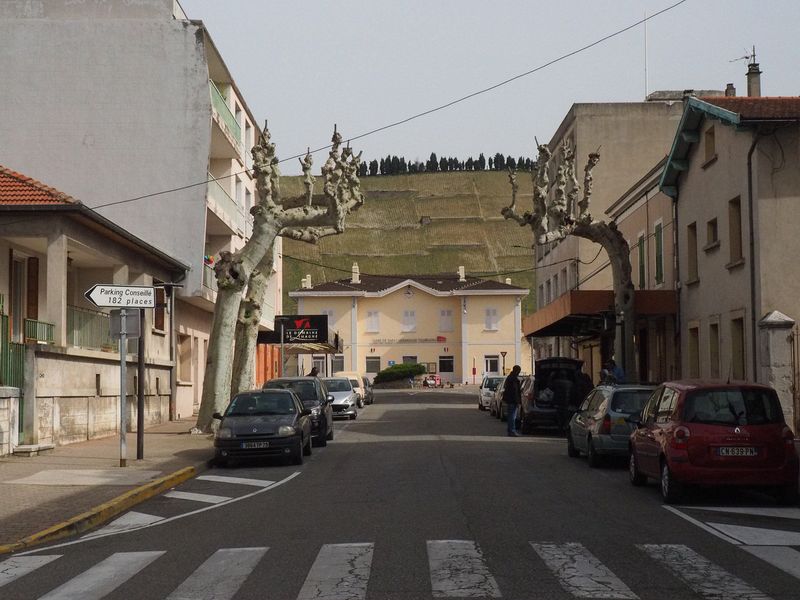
487 389
601 427
345 398
263 423
369 393
314 396
500 406
559 387
717 434
357 381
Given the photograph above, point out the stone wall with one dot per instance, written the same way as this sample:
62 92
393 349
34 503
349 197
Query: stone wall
9 419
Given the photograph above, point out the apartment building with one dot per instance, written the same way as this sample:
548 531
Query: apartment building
130 107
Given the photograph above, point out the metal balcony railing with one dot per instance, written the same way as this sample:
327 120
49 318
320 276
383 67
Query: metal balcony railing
39 331
209 278
225 202
225 114
12 357
88 328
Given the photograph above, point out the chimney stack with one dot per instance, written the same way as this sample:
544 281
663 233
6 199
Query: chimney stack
508 280
356 278
306 282
753 80
461 274
730 91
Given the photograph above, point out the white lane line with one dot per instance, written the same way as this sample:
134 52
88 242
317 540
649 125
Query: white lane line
758 536
786 559
220 576
340 572
702 525
207 498
130 520
580 573
104 577
701 575
17 566
236 480
459 571
765 511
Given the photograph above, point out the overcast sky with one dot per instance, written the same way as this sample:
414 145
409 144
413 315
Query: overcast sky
363 65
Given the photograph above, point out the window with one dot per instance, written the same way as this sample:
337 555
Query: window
710 144
735 231
491 364
490 320
737 349
666 406
658 235
564 281
373 364
713 349
642 276
446 364
547 292
712 234
337 363
694 352
329 313
446 320
555 286
248 203
239 192
574 275
373 321
691 253
540 296
409 321
409 360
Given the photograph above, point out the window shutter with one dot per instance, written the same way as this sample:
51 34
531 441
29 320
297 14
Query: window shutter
32 295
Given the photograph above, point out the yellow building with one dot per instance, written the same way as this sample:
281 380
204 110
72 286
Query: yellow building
460 327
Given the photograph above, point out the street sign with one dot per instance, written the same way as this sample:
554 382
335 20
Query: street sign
121 296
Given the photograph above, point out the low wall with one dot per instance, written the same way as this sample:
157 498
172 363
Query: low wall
9 419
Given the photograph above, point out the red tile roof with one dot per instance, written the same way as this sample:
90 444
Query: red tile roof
759 108
18 189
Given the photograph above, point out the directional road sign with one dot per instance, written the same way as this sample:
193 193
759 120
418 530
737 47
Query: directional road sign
121 296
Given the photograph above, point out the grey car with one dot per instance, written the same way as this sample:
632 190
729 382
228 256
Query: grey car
601 427
345 397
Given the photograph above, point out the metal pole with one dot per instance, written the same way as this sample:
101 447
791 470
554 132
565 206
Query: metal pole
281 373
173 378
123 421
140 390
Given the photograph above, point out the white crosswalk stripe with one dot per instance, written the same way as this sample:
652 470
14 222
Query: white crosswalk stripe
340 572
104 577
459 571
17 566
704 577
130 520
207 498
581 573
786 559
221 576
236 480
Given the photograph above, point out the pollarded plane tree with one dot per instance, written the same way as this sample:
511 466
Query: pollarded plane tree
242 276
560 209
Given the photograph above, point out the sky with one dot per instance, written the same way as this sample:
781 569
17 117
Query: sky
363 65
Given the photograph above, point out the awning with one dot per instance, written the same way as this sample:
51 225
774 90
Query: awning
589 312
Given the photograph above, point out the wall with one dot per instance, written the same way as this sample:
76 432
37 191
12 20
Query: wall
9 419
194 323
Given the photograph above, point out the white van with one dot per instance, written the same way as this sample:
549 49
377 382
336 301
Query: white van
357 381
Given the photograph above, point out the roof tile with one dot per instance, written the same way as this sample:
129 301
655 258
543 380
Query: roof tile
759 108
18 189
441 283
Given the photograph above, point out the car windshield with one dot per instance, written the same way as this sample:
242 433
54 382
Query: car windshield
355 383
732 406
304 389
493 382
338 385
261 403
630 401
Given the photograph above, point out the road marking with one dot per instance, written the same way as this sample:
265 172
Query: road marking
781 513
17 566
702 525
786 559
340 572
704 577
580 573
207 498
758 536
130 520
104 577
237 480
220 576
459 571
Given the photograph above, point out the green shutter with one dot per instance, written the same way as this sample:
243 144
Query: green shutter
642 281
659 254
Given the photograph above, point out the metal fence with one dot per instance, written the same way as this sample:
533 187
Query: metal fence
12 357
39 331
88 328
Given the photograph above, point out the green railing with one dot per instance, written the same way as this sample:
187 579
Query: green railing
209 278
88 329
224 112
12 357
225 202
39 331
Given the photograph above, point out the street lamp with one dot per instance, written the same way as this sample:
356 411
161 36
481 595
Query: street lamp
503 354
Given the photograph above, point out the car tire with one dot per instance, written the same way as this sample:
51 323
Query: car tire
307 449
480 406
636 478
354 416
593 458
360 403
502 416
671 491
297 453
787 495
329 437
572 451
221 462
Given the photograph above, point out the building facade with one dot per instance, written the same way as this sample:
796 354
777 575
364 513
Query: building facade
459 326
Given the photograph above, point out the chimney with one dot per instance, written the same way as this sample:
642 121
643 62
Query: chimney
730 91
306 282
508 280
753 79
461 275
356 278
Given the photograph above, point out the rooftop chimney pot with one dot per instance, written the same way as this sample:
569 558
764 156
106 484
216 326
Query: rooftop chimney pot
753 80
356 278
730 91
461 274
508 280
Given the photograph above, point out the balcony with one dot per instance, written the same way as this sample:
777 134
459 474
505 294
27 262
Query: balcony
225 207
39 331
88 328
209 278
227 121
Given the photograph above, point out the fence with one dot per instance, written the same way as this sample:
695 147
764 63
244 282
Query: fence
12 357
39 331
88 328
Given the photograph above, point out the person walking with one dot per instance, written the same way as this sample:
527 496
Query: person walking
313 372
511 396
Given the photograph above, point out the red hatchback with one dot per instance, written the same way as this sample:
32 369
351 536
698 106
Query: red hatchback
713 433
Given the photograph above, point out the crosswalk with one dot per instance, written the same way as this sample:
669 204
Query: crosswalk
457 569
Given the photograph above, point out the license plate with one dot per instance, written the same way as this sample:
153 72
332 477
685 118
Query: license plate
255 444
738 451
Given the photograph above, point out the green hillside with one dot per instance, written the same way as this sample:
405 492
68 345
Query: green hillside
421 224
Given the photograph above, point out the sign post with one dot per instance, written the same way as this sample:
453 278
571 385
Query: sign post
123 417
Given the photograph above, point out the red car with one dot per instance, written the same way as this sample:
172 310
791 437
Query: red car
714 433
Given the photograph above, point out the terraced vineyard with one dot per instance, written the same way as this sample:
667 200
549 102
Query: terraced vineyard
421 224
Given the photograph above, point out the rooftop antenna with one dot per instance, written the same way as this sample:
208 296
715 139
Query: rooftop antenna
645 56
748 54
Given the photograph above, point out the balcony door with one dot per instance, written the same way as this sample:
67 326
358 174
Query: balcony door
17 308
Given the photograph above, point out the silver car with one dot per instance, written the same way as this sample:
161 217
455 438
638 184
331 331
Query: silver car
345 398
601 426
487 389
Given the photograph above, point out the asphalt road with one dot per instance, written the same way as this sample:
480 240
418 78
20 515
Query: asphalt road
425 497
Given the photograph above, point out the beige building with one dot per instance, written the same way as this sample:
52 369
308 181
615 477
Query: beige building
459 326
734 174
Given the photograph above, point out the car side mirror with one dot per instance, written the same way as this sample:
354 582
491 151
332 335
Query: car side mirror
329 398
305 412
216 415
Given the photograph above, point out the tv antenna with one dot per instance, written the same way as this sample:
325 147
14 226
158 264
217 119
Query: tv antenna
748 55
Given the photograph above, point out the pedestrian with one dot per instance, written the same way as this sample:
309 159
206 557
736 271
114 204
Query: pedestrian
616 371
512 396
313 372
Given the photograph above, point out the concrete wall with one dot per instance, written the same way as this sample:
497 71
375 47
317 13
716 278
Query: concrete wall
9 419
195 324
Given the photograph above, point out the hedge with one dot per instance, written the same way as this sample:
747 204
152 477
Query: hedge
401 371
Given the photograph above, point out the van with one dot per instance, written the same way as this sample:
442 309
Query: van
357 381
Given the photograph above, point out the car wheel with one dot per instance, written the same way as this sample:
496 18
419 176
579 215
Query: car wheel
591 453
671 491
297 453
307 449
633 471
572 451
480 406
220 461
502 416
354 416
330 434
360 403
787 495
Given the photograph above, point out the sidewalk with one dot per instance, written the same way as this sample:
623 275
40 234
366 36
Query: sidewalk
76 487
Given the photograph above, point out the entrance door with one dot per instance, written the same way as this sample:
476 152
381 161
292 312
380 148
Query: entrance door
491 365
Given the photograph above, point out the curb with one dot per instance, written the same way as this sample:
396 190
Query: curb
102 512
